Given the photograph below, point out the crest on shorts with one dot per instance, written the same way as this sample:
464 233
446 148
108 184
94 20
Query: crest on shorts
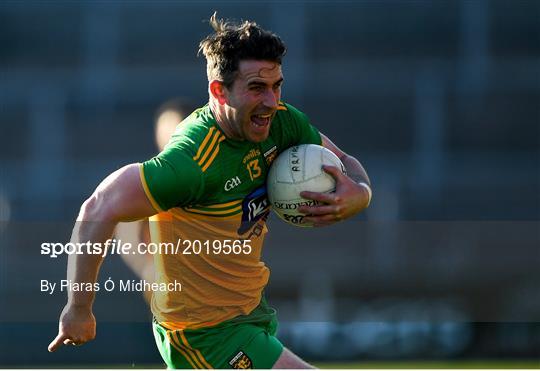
241 361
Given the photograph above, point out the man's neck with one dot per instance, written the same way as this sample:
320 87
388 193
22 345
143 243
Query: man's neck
222 120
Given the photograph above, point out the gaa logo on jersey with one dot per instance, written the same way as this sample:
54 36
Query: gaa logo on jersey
254 207
232 183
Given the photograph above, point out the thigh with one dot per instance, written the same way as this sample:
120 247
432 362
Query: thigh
289 360
241 346
261 351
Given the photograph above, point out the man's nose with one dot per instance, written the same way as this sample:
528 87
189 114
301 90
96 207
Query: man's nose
271 99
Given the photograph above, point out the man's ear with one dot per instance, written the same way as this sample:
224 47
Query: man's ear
218 91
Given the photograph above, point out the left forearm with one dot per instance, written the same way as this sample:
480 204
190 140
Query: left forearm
355 170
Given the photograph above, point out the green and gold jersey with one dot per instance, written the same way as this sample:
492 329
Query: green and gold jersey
210 192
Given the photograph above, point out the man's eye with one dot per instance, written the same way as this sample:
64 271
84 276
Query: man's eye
257 88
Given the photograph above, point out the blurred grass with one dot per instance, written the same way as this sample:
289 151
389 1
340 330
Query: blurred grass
408 364
445 364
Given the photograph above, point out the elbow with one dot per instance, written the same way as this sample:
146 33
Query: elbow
97 209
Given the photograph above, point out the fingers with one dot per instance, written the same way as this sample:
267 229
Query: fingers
331 210
318 210
63 339
334 171
73 342
327 198
60 339
77 325
328 213
322 215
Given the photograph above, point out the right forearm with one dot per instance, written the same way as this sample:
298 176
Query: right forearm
84 268
119 197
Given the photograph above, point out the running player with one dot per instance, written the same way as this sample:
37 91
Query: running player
208 185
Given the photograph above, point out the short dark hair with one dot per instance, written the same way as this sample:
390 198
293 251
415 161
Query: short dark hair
232 42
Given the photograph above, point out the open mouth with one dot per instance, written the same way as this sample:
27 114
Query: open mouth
261 121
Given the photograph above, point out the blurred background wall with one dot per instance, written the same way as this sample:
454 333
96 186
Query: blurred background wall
440 100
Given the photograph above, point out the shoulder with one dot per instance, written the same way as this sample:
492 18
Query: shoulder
197 137
289 119
291 127
287 111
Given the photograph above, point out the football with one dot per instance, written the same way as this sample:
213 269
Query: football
295 170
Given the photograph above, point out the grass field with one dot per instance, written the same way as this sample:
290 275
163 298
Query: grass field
469 364
446 364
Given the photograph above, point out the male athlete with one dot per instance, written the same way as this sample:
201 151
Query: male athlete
208 185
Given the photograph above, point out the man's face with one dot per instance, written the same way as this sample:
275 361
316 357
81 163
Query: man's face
252 100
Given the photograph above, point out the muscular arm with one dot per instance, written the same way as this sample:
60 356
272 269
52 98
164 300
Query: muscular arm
120 197
352 195
354 168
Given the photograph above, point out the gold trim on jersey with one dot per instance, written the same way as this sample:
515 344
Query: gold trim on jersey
220 210
225 205
206 139
209 148
151 198
181 214
214 154
174 326
223 213
281 106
